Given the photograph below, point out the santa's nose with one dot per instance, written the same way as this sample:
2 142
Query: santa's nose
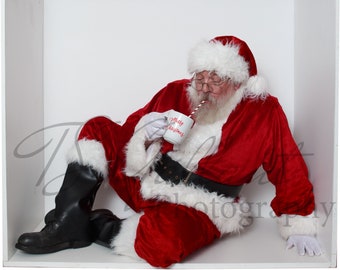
205 88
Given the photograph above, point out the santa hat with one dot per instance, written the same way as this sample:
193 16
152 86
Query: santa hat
230 57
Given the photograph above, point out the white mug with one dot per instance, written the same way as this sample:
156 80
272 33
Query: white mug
178 128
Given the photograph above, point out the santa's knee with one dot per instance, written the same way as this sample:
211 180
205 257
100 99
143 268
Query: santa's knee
143 243
97 143
168 233
93 128
160 251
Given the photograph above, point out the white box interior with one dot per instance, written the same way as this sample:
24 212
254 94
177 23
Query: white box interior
69 60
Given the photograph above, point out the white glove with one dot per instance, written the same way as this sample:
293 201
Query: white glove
304 243
155 125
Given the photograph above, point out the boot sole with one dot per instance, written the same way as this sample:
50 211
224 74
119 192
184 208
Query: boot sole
52 249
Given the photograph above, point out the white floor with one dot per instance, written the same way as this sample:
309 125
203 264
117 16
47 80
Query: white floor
260 246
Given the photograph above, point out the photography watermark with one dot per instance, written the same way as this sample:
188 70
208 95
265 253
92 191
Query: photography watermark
59 142
247 210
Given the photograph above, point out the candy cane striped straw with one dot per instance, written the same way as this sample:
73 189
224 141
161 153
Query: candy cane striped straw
197 108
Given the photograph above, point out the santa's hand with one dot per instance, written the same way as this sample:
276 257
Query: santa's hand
303 244
155 125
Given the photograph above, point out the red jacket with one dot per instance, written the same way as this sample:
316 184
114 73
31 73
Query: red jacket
255 133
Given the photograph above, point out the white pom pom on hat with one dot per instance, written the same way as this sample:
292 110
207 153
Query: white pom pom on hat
229 57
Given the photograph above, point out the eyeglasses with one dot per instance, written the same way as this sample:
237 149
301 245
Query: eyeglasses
198 81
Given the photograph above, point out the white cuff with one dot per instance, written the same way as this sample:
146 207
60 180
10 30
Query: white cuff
296 224
89 153
124 242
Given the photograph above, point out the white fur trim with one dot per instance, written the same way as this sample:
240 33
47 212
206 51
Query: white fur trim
138 158
227 215
256 87
89 153
124 242
224 59
296 224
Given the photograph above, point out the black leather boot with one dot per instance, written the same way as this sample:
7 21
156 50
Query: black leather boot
68 225
105 226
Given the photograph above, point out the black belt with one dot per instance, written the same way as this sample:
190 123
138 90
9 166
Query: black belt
172 171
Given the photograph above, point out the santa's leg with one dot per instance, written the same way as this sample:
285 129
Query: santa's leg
68 225
163 234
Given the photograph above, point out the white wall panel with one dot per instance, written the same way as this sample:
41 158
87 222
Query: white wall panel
110 57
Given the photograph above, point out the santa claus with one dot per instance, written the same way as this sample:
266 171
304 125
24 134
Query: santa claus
184 195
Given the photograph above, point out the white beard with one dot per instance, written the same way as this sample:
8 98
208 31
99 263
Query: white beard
205 136
214 109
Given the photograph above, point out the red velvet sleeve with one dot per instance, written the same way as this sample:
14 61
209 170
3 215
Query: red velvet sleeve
286 169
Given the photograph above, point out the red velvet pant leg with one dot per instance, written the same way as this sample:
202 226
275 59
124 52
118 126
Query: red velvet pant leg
105 131
110 135
167 233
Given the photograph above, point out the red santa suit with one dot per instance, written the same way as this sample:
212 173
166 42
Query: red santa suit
174 220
